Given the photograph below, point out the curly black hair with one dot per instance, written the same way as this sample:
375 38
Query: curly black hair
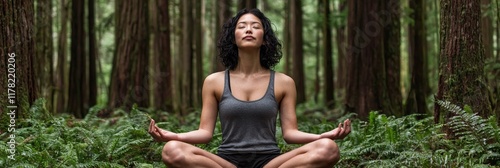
270 51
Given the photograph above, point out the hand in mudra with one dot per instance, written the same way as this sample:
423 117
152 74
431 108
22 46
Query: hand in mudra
340 132
159 134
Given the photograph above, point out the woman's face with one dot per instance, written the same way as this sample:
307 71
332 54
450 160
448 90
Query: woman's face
249 32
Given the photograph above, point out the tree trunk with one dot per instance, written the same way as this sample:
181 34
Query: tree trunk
18 87
286 40
498 34
461 79
163 73
296 41
129 77
44 50
487 31
369 24
416 100
222 14
341 60
392 55
78 101
61 60
187 57
198 52
92 54
327 57
249 4
318 55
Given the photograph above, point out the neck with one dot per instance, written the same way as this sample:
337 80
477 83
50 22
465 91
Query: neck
249 62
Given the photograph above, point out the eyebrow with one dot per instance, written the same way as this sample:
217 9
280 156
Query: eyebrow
251 22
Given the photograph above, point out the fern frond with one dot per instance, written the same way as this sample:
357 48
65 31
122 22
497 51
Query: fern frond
136 144
99 164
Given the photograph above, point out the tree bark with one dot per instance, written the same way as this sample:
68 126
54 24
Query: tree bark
370 24
78 99
61 60
223 13
341 53
92 54
129 77
249 4
296 41
487 30
163 73
17 47
44 50
286 40
327 57
187 57
461 80
198 52
416 100
392 55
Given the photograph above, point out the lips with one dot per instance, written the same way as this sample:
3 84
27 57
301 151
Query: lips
248 38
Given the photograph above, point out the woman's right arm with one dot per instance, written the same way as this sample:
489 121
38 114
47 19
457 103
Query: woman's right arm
207 121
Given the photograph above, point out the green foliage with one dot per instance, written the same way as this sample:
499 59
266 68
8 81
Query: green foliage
63 141
122 140
478 137
407 142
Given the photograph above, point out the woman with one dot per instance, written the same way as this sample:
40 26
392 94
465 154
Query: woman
247 102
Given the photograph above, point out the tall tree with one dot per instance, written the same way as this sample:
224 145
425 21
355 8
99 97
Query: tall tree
392 58
296 41
129 76
187 56
341 40
61 59
78 101
92 54
318 55
222 14
286 40
249 4
368 50
416 100
328 82
461 76
44 50
198 52
17 79
487 29
162 58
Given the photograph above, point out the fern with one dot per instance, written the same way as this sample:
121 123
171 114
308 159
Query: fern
478 136
99 164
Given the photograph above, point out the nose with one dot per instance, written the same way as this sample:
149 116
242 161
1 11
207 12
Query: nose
248 30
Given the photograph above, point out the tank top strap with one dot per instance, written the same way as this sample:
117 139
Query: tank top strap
271 84
227 89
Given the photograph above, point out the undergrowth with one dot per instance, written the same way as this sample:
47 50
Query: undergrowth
44 140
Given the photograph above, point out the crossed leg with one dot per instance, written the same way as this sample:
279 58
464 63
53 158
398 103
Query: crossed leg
180 154
320 153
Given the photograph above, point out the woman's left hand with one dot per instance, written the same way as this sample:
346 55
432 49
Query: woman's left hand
340 132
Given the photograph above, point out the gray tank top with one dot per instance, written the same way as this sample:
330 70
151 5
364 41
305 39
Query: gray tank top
248 126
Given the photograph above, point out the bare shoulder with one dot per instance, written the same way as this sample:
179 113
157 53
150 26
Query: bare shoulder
214 77
284 80
214 83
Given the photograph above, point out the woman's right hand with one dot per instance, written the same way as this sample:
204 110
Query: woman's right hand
159 134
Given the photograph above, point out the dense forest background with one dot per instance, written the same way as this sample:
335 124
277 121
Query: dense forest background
83 74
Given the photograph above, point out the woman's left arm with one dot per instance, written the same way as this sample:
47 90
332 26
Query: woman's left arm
291 133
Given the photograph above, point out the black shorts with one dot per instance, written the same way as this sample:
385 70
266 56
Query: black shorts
250 160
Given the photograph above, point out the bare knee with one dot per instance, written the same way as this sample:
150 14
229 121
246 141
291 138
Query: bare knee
326 151
172 153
